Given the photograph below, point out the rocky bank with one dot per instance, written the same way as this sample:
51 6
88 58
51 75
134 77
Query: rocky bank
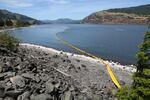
105 17
35 73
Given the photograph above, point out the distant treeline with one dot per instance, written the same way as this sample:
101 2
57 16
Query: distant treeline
143 10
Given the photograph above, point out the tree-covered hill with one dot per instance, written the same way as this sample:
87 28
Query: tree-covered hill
8 18
131 15
139 10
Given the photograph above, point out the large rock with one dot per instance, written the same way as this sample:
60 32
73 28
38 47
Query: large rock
18 81
68 96
2 75
18 60
7 67
9 98
1 66
2 92
41 97
49 87
24 96
13 93
28 75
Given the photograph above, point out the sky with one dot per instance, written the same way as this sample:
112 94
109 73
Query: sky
73 9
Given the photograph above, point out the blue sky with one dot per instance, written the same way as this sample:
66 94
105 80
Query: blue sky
74 9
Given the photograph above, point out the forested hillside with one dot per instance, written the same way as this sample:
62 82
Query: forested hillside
139 10
131 15
8 18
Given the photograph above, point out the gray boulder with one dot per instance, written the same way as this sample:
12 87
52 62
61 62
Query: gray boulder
18 81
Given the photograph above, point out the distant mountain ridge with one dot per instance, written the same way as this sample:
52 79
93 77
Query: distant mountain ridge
62 21
8 18
131 15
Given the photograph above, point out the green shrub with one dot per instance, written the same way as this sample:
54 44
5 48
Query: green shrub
123 94
8 41
140 89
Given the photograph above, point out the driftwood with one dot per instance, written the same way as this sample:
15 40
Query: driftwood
62 72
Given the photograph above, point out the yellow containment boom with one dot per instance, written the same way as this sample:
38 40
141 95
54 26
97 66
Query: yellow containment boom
111 74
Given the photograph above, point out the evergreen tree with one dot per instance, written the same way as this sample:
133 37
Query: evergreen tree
9 22
142 76
141 86
2 23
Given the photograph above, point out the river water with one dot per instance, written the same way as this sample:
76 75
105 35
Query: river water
112 42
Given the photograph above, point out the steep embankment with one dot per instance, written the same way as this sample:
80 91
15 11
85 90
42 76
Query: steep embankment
132 15
8 19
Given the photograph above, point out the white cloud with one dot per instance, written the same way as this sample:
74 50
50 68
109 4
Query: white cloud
59 1
16 3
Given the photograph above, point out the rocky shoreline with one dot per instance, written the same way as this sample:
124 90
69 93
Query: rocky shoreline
39 73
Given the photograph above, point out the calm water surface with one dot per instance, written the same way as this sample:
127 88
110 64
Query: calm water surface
112 42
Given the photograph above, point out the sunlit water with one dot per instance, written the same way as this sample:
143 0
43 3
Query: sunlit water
112 42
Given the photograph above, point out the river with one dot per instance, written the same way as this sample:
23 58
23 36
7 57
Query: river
118 43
